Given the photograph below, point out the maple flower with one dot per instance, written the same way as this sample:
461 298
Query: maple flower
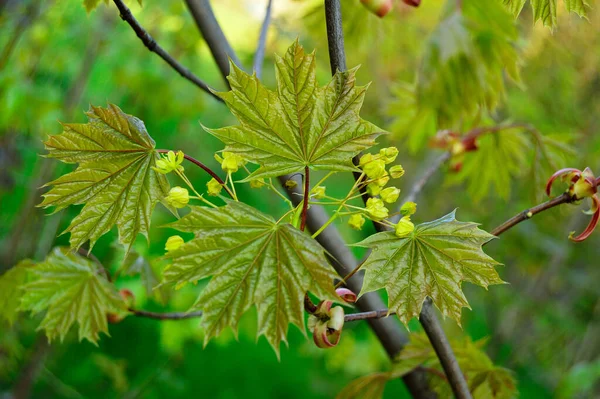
377 209
396 171
375 169
404 227
173 243
178 197
326 324
318 192
356 221
390 194
169 163
389 154
257 183
231 162
378 7
213 187
373 189
408 209
382 181
581 185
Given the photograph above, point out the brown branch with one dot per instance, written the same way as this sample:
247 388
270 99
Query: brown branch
165 316
259 56
306 197
154 47
373 314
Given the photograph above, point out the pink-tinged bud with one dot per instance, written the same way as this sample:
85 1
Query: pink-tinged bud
326 324
379 7
347 295
412 3
593 223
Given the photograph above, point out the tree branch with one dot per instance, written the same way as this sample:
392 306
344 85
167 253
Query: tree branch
213 35
154 47
306 197
165 316
259 56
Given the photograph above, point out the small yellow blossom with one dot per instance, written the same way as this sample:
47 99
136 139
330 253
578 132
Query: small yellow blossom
231 162
375 169
390 194
408 209
396 171
365 159
257 183
373 189
404 227
377 209
356 221
318 192
169 163
291 183
213 187
178 197
388 154
173 243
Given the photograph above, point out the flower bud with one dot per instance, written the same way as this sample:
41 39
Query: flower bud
375 169
377 209
396 171
231 162
408 209
178 197
213 187
291 183
382 181
347 295
390 194
404 227
389 154
169 163
173 243
318 192
378 7
356 221
365 159
257 183
373 189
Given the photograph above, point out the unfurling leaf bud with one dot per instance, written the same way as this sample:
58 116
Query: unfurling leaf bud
173 243
378 7
388 154
213 187
404 227
356 221
257 183
377 209
178 197
396 171
347 295
326 324
408 209
318 192
390 194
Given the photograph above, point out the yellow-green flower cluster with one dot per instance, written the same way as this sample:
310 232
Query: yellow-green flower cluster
169 163
230 162
374 167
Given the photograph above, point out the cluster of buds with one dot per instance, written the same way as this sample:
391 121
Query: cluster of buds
456 145
581 185
382 7
374 167
326 323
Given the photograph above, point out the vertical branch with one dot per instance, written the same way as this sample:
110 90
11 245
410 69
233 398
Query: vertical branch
31 12
259 56
306 197
213 35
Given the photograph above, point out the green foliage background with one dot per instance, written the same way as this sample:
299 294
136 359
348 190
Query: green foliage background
545 325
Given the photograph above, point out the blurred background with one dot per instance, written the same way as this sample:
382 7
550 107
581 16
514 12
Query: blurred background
56 59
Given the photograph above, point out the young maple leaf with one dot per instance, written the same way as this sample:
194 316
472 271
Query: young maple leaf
300 124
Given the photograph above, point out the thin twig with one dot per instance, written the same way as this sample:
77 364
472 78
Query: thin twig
259 56
154 47
165 316
373 314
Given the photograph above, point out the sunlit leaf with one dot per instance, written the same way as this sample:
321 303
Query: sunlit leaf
545 10
432 261
300 124
251 260
114 178
10 285
71 288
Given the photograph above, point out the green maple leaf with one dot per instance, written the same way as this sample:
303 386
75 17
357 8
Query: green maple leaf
370 386
252 260
114 178
10 285
432 261
545 10
71 288
300 124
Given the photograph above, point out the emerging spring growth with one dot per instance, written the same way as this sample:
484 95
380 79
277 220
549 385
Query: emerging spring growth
412 3
231 162
129 300
173 243
169 163
581 185
347 295
456 145
404 227
378 7
213 187
388 154
356 221
375 169
178 197
396 171
377 209
318 192
408 209
326 324
257 183
390 194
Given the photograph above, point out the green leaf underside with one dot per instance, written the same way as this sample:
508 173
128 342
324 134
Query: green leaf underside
545 10
114 178
300 124
10 283
70 288
485 379
431 262
251 260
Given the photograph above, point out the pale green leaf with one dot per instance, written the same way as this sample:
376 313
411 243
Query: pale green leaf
545 10
579 7
10 286
514 6
367 387
251 260
433 262
300 124
71 288
114 178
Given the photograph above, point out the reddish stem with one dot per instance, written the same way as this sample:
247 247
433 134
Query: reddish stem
306 198
197 163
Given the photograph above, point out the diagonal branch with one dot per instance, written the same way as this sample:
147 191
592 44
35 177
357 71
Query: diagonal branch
153 46
259 56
